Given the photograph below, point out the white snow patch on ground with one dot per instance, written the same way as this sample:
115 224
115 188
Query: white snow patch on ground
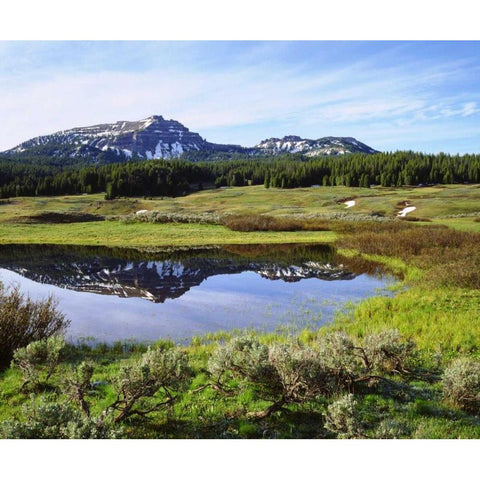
141 211
406 210
349 203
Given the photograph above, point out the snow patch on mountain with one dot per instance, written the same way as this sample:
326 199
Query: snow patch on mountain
308 147
154 137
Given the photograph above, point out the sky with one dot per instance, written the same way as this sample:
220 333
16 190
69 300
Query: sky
391 95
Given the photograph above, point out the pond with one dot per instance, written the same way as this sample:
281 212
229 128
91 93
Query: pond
127 295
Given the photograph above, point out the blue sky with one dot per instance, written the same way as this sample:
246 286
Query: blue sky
423 96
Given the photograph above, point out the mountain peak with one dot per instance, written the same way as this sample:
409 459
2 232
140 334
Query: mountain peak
309 147
156 137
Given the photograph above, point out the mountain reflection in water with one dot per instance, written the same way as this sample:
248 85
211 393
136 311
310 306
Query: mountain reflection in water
242 275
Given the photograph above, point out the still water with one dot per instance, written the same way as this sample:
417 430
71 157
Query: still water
127 295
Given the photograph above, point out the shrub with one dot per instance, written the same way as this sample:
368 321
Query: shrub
45 419
253 223
283 374
157 371
343 419
392 429
383 353
341 356
77 383
38 360
23 321
388 353
243 357
461 384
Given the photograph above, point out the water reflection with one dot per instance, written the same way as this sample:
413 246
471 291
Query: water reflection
103 291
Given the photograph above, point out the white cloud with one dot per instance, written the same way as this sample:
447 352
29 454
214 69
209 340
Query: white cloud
343 100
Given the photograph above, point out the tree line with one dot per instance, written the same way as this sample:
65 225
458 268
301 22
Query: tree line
57 176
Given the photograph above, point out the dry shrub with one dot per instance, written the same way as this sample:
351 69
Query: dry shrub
255 223
414 219
389 353
43 419
23 321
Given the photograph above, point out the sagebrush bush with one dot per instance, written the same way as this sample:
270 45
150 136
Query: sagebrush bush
243 357
44 419
389 353
461 384
288 373
339 353
382 353
390 429
23 320
38 360
343 418
157 371
295 373
77 383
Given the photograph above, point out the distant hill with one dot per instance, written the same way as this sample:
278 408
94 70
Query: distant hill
155 137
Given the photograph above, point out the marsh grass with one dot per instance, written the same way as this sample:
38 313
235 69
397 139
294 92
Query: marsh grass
447 257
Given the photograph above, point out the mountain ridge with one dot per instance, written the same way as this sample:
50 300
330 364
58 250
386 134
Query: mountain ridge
155 137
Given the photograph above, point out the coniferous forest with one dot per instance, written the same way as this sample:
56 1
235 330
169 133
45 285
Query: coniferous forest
38 175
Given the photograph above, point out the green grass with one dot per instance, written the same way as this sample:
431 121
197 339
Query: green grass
430 201
464 224
115 233
442 320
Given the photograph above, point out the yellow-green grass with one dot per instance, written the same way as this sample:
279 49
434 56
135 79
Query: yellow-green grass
431 202
139 235
465 224
441 319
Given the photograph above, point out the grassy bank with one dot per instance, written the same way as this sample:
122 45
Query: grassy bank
119 234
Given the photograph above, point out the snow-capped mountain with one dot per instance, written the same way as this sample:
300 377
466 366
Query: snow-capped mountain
322 146
155 137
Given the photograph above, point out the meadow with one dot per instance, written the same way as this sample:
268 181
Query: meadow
436 306
457 206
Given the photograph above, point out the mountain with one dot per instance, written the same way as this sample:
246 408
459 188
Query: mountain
310 148
155 137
